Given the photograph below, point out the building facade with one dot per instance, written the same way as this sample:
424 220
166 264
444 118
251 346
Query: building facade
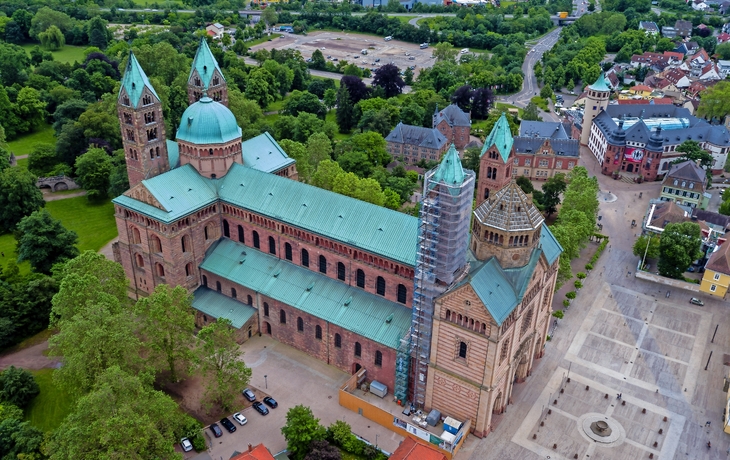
454 124
716 278
597 96
685 185
416 143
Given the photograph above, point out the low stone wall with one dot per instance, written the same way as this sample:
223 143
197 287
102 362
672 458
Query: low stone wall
667 281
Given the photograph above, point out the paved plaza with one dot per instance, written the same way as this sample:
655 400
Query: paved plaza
622 336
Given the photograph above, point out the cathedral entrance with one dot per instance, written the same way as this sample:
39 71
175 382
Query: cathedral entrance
497 407
522 368
267 328
356 367
538 348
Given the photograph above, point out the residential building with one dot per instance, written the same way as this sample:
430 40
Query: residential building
683 28
416 143
669 32
649 27
699 5
723 37
454 124
215 30
724 9
259 452
716 278
411 449
543 149
685 185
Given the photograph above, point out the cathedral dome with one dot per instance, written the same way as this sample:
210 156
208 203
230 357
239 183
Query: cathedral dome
208 122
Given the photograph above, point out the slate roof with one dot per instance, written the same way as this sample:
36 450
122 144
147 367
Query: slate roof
668 212
218 306
264 153
648 26
510 210
208 122
563 147
361 312
543 129
205 63
687 171
719 260
135 81
417 135
453 115
500 137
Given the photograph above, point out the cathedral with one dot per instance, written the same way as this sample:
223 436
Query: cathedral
464 296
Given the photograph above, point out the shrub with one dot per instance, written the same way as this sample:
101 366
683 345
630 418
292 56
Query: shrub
18 386
558 314
571 295
589 266
547 339
198 442
566 303
581 276
578 284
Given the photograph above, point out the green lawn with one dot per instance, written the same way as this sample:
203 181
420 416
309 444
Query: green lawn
22 163
276 105
51 406
504 107
24 144
403 19
94 223
261 40
7 247
68 53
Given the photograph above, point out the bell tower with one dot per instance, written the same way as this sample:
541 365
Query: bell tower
495 163
596 101
206 77
143 130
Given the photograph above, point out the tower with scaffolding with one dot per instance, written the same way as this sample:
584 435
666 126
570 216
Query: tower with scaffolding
443 232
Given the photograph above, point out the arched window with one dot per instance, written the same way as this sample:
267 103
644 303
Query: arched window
218 286
136 238
322 264
462 350
272 245
205 232
139 260
402 293
188 269
338 341
380 286
268 328
318 332
358 349
300 324
234 294
240 234
505 350
378 358
226 229
156 244
159 269
305 258
256 243
185 243
287 251
266 309
205 281
360 278
282 316
341 271
249 300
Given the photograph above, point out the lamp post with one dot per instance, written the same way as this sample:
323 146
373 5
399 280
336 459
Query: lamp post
376 441
266 382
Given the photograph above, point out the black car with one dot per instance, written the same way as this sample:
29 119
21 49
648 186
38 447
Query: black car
228 425
216 430
271 402
248 394
260 408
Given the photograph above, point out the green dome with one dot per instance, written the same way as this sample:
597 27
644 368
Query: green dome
208 122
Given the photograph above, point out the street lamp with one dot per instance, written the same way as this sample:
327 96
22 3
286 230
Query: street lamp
266 382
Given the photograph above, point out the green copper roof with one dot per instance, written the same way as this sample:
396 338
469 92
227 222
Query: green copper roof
205 64
549 245
600 84
173 153
208 122
134 81
345 306
217 305
263 153
450 170
500 137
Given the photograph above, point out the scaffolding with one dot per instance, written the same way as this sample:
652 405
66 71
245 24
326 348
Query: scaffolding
443 231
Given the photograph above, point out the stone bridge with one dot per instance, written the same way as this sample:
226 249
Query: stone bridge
57 183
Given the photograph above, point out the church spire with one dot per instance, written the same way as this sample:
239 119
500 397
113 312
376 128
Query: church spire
500 137
206 75
134 82
449 170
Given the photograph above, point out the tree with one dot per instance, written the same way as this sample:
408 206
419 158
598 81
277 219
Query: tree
45 18
168 328
52 39
42 159
462 97
692 151
300 430
345 110
327 171
122 417
30 109
18 439
665 44
97 32
679 246
322 450
647 244
304 101
525 184
444 52
330 98
221 360
388 78
378 121
412 114
318 60
269 16
93 169
481 101
408 76
19 197
319 147
715 101
531 112
546 92
17 387
356 89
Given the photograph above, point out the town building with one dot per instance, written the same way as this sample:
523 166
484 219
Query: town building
685 185
543 149
669 32
410 449
716 278
454 124
649 27
259 452
416 143
596 102
353 284
683 28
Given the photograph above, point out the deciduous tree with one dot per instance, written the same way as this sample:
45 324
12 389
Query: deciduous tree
17 386
531 112
647 244
388 78
678 248
444 52
19 197
300 430
93 169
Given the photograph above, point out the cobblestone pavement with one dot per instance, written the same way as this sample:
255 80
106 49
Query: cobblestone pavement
621 335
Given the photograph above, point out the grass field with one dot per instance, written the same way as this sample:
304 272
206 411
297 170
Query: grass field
504 107
68 53
51 406
7 247
261 40
22 163
24 144
404 19
94 223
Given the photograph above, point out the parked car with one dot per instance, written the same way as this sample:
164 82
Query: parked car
186 445
228 425
696 301
260 408
412 58
377 60
216 430
271 402
249 395
691 269
240 418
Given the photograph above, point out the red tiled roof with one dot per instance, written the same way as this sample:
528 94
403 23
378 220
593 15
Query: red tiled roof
259 452
640 88
410 449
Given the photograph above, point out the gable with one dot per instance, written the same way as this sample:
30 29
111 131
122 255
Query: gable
140 193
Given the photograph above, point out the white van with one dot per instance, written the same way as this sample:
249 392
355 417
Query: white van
388 38
465 50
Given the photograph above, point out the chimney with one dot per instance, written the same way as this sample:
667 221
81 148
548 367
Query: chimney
250 447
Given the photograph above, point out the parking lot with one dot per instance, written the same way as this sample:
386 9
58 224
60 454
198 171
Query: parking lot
348 46
292 378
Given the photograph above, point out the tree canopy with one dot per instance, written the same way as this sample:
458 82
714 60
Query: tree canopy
678 248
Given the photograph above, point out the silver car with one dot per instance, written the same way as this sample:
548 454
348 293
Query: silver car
240 418
186 445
